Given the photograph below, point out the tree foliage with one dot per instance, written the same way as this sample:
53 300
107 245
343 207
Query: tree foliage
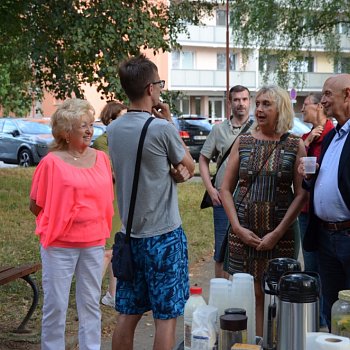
58 45
289 28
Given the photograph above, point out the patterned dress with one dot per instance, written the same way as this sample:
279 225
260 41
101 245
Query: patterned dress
263 207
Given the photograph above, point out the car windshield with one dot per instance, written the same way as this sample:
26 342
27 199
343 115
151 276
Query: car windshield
300 128
33 127
98 131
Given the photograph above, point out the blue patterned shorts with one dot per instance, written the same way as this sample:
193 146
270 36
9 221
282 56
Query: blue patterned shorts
161 277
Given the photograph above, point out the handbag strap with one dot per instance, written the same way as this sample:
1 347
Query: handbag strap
136 179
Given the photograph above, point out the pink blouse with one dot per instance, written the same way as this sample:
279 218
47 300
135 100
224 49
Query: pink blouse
77 203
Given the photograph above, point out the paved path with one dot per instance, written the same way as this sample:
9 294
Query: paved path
201 274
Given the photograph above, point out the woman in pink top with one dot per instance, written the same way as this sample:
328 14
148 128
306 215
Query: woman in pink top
72 199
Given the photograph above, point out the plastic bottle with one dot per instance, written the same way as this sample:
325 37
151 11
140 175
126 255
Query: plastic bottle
341 314
192 303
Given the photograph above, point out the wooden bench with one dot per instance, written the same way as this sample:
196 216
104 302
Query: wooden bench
11 273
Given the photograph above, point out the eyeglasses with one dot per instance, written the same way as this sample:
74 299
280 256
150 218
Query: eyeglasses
160 82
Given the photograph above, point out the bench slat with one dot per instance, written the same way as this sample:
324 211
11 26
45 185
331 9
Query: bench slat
4 268
13 273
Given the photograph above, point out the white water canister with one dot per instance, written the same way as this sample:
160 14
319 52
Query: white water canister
191 305
242 295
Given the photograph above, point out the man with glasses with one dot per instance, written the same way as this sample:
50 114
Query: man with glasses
158 243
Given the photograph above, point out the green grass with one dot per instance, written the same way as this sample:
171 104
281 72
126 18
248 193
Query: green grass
212 169
19 244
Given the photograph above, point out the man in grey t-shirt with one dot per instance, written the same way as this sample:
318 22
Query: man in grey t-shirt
217 144
158 243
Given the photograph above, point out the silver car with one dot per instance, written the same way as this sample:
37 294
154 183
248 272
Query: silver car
23 142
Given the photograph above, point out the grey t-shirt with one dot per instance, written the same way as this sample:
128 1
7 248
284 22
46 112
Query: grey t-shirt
217 143
156 209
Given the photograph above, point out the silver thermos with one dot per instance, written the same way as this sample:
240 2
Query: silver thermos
298 309
274 271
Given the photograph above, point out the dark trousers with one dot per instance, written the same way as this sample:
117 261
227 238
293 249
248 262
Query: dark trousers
334 264
311 260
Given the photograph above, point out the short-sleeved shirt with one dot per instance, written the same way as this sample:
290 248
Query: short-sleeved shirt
77 203
156 209
217 143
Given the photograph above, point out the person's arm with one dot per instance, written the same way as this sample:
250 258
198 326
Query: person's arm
227 188
186 165
300 196
314 135
205 175
34 208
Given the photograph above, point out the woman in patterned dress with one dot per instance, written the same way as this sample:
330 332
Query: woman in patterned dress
268 196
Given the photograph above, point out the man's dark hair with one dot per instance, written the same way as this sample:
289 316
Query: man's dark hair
237 88
135 74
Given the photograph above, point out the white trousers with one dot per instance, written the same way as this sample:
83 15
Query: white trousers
58 267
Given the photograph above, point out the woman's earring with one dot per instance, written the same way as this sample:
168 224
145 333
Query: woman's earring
67 140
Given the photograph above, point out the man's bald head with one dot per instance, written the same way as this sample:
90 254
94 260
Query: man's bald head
336 97
340 81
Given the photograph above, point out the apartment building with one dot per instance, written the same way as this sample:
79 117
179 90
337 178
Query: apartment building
199 70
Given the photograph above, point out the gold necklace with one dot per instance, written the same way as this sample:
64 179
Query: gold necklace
75 157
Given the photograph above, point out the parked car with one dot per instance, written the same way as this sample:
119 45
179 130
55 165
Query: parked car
99 129
300 128
194 130
22 141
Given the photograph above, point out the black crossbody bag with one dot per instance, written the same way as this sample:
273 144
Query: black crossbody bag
122 262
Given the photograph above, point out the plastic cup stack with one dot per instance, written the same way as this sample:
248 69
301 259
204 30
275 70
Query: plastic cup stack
242 295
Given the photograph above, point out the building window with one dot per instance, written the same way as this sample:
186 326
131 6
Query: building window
182 59
216 109
220 17
342 65
268 63
342 28
183 105
305 65
221 61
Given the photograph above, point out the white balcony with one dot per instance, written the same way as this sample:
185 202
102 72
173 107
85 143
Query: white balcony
215 80
211 36
191 79
215 36
309 81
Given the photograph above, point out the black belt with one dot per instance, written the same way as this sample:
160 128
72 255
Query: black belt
335 226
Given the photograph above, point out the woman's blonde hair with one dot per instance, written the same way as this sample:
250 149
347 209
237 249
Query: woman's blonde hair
66 117
284 107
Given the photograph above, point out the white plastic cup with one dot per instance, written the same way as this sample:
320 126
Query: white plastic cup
309 165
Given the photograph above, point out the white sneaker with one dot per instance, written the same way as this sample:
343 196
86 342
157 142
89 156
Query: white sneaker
108 300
